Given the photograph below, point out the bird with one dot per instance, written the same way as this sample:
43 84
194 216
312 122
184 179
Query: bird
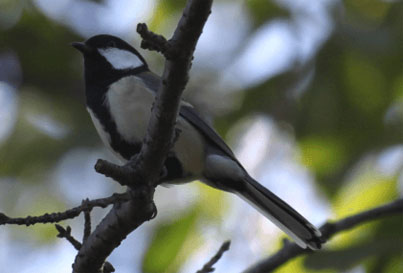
120 90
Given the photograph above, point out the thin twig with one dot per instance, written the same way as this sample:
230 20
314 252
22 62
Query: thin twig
87 220
329 229
153 41
87 225
125 175
66 233
68 214
208 267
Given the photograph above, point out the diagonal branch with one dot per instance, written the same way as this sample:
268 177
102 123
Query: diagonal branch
161 128
142 172
291 250
66 233
209 266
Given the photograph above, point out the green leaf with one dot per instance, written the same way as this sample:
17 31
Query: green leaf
343 259
167 242
365 82
394 265
367 190
323 154
263 11
369 10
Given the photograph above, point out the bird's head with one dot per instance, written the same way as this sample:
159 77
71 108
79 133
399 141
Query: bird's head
106 52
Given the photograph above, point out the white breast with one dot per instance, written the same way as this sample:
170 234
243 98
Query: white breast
130 104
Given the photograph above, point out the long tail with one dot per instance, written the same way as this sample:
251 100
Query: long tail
280 213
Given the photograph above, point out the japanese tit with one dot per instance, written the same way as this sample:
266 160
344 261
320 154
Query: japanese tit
120 90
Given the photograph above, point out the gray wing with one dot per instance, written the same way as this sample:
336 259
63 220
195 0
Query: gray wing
191 116
152 80
186 111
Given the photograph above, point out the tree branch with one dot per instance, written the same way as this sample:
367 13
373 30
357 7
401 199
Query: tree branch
160 134
291 250
68 214
87 225
152 41
66 233
208 267
113 229
142 172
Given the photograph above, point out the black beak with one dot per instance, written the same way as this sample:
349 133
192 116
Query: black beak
82 47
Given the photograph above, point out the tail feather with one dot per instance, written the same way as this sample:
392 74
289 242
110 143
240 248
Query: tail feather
280 213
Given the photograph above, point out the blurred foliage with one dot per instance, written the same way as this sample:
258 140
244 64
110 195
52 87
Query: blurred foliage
343 259
169 239
348 112
262 11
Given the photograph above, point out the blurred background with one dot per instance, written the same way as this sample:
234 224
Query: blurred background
308 93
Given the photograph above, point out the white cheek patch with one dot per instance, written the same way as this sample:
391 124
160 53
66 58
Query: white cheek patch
121 59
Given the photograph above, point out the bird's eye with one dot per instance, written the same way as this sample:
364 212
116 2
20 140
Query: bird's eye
111 44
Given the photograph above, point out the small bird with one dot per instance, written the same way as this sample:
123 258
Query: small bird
120 90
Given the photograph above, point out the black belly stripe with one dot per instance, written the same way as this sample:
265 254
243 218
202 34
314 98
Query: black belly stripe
174 168
117 143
